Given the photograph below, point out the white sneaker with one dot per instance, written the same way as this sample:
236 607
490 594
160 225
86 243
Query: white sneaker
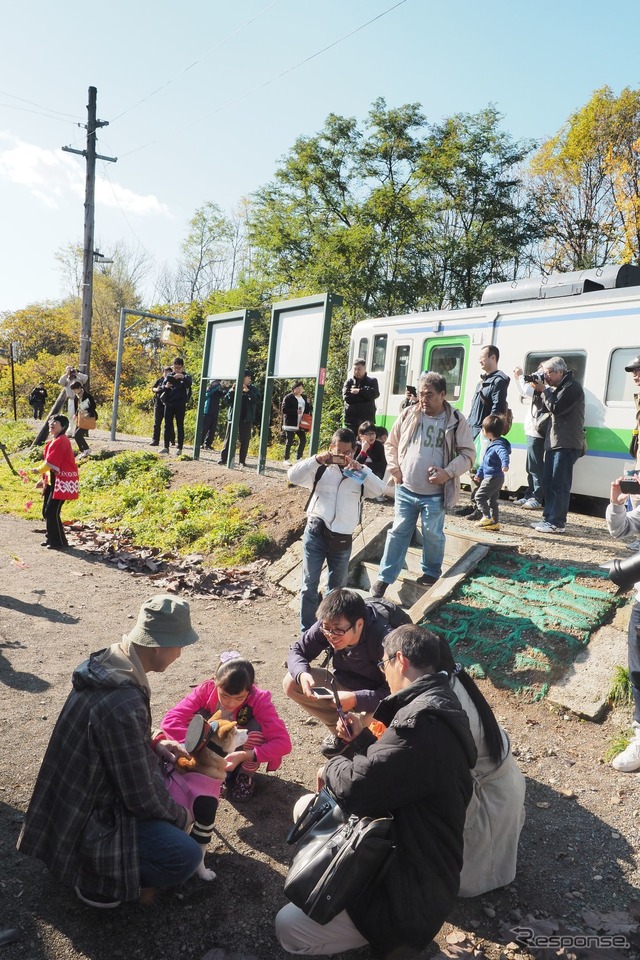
287 463
545 527
531 504
521 502
629 759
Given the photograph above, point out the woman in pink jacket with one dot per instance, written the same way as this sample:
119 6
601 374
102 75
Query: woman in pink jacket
233 692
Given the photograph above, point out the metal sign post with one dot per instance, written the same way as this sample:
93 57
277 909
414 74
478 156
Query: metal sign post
225 356
298 347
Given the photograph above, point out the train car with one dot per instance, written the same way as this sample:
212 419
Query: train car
590 318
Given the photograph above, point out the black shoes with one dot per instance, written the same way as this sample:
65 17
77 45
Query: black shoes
465 511
333 746
378 589
426 581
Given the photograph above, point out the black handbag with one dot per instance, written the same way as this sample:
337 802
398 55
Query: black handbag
336 857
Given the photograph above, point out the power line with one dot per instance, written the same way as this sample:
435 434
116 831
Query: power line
195 62
32 103
273 79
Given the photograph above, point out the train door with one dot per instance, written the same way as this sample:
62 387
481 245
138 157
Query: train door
394 376
449 356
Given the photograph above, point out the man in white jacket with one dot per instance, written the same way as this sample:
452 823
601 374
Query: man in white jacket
337 483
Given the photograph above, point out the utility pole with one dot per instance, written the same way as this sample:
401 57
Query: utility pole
89 216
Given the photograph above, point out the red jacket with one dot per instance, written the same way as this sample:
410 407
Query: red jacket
63 473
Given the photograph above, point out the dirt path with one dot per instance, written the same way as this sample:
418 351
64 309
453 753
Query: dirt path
578 847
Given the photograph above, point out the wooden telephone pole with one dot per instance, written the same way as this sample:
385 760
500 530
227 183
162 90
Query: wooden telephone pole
89 216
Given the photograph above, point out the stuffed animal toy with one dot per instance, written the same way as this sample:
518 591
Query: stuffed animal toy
192 782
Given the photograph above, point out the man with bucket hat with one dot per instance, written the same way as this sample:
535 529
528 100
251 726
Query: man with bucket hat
100 816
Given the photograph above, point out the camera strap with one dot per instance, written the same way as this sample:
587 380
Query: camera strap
319 472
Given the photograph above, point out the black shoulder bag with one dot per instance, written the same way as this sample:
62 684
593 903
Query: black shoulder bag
336 857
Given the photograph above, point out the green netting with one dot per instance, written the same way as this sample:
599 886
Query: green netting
522 621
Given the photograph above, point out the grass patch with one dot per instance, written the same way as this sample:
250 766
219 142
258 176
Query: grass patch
617 745
128 492
16 435
621 694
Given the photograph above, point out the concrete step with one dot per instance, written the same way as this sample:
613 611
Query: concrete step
404 591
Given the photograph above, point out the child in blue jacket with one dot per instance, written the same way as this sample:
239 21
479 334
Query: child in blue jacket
490 474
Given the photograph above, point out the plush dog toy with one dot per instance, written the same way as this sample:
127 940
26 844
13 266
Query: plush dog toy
193 782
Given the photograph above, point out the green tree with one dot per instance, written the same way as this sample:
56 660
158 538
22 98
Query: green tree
586 183
478 219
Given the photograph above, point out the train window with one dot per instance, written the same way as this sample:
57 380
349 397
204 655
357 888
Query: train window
576 360
620 385
379 352
448 361
363 349
401 368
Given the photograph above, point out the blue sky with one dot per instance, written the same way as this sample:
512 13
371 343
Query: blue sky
214 131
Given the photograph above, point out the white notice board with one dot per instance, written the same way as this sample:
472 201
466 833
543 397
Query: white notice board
299 342
226 347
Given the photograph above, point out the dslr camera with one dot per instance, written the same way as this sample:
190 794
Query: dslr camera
624 573
533 377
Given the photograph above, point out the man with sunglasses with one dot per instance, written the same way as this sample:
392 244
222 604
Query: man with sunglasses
348 637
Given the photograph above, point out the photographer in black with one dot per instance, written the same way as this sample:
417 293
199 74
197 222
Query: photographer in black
175 394
536 421
621 523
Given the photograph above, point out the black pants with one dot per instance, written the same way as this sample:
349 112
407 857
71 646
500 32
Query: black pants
174 413
158 417
80 437
244 436
302 442
55 531
209 428
38 410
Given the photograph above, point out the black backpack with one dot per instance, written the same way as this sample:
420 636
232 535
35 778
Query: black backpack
389 611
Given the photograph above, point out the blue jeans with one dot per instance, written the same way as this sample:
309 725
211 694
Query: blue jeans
558 474
535 467
314 554
409 507
168 856
634 658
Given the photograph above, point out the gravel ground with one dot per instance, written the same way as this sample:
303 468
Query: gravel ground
579 845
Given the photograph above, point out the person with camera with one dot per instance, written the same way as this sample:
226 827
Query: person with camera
419 771
248 415
158 407
563 398
71 375
37 400
621 523
176 393
85 410
337 483
348 635
536 421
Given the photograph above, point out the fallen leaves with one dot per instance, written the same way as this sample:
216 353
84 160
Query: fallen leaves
174 573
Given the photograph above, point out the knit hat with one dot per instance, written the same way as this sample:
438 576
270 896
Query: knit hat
163 621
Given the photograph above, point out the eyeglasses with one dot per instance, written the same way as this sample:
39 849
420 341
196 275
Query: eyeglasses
335 631
382 663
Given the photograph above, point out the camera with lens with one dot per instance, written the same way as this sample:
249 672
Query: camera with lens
533 378
624 573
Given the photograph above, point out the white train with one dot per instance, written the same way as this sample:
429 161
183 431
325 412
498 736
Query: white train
591 319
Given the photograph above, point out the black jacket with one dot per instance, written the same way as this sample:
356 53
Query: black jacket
373 458
361 406
176 393
419 770
355 668
490 397
290 409
38 396
566 423
249 404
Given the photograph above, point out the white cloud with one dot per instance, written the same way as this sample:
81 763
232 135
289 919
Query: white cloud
51 175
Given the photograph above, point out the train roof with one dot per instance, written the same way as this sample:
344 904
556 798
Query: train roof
532 293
